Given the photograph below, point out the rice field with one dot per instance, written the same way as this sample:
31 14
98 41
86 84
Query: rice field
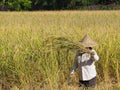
37 48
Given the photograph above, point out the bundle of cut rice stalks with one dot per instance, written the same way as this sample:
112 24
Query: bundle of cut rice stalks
63 43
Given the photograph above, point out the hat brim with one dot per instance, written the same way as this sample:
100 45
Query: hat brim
89 44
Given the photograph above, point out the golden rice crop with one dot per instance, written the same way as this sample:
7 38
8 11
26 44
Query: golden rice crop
37 49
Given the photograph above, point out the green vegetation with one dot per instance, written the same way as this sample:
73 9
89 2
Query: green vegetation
37 49
16 5
21 5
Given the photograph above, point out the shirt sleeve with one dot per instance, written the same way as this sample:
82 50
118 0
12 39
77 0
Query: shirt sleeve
95 57
75 66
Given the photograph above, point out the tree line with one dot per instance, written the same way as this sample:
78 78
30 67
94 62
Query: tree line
18 5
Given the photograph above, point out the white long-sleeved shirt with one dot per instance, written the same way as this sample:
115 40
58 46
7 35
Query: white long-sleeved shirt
85 64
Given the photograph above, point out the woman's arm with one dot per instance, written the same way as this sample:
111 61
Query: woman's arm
75 66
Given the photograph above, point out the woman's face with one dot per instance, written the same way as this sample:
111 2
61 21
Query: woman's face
87 48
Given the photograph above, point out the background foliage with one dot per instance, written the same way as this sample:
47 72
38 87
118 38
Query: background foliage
52 4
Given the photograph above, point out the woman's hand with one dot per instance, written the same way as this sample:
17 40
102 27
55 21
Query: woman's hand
71 74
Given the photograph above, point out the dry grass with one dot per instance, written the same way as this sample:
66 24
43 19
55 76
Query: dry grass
29 58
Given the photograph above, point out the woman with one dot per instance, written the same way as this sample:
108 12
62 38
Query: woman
84 61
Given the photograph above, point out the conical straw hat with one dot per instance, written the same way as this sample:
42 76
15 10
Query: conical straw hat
88 42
